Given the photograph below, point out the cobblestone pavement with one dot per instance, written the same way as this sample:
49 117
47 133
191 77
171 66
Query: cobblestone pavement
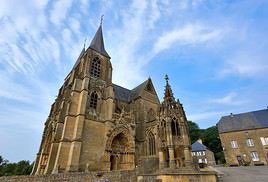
244 174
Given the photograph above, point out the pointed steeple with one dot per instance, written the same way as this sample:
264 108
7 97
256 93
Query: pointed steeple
97 43
168 91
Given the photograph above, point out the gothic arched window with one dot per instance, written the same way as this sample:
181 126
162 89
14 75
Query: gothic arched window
93 100
95 67
150 144
175 129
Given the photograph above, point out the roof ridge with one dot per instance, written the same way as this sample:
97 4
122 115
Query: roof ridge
243 121
245 113
140 84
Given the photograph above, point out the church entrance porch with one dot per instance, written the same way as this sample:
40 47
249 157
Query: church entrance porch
120 150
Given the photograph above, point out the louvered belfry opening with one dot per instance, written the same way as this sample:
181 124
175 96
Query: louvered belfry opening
93 100
95 68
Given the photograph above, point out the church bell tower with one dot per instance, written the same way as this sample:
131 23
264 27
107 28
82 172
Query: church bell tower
87 94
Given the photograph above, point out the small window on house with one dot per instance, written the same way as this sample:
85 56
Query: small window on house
254 156
250 142
93 100
95 67
234 144
264 140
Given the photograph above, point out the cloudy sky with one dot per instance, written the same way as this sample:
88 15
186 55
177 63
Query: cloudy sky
214 51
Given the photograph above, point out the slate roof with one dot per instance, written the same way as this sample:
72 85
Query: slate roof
127 95
97 43
136 92
243 121
122 93
196 146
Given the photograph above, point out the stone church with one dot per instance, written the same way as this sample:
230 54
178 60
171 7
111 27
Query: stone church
96 125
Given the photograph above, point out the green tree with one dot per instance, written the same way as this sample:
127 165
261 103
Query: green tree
211 139
194 131
21 168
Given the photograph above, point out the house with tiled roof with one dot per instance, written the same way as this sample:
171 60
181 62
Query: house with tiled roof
202 155
244 138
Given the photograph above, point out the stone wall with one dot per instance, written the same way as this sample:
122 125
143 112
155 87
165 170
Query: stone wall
210 177
115 176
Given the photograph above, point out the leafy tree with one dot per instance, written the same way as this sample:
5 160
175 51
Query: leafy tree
2 161
210 138
21 168
194 131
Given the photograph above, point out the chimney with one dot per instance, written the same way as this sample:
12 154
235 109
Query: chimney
200 141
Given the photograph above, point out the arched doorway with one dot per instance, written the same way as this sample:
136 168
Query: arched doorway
119 151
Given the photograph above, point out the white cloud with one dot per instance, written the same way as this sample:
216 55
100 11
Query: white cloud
122 51
59 11
229 99
246 63
75 26
196 3
183 4
204 115
189 34
84 6
155 13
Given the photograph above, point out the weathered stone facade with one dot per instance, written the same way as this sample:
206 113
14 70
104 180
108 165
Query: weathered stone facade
95 125
242 155
244 138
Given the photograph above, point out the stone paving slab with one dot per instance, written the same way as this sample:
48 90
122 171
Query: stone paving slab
244 174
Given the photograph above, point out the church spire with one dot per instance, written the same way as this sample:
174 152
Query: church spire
168 91
97 42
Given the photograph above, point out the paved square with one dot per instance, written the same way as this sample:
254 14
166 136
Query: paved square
244 174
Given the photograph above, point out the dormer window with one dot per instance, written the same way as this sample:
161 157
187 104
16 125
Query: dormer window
95 67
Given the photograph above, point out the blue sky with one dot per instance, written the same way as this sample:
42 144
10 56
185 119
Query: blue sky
214 51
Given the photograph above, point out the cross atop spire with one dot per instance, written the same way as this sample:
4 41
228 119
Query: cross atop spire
166 78
101 20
